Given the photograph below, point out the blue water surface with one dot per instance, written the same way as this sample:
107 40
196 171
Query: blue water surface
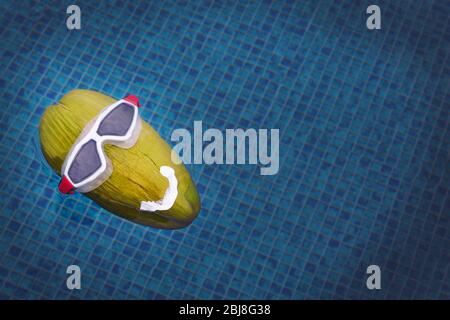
364 148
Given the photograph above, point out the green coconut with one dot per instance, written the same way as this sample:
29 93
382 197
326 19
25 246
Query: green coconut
136 173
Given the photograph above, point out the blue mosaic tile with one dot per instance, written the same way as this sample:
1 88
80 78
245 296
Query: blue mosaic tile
364 144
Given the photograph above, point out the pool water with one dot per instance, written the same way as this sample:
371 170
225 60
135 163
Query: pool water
364 173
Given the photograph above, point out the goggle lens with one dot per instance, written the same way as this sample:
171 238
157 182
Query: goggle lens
86 162
118 121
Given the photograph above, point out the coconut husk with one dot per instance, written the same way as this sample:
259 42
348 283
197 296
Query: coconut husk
135 177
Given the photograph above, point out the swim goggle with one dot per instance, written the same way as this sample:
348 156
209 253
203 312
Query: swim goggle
86 166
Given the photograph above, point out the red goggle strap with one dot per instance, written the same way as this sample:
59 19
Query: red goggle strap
133 100
65 186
